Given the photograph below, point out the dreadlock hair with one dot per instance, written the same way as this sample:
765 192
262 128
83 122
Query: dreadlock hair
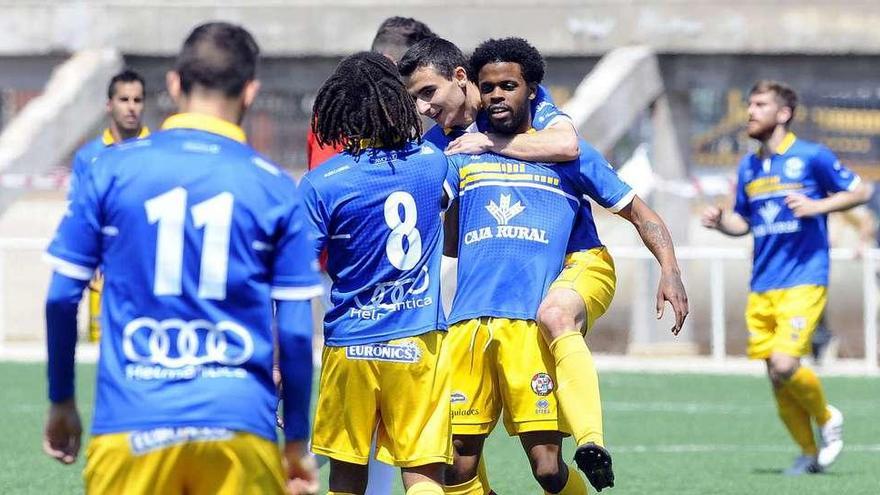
364 105
515 50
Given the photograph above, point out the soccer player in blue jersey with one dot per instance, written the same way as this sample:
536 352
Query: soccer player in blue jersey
376 207
435 73
784 192
516 220
197 234
125 108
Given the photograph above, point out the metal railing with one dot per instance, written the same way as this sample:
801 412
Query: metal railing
716 258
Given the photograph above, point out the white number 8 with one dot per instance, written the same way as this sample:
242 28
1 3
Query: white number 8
402 228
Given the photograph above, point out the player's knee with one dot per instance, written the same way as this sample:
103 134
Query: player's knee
560 313
782 367
547 471
461 471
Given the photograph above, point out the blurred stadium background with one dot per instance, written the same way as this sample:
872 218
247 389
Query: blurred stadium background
659 86
674 110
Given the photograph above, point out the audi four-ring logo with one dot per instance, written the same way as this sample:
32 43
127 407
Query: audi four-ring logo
197 342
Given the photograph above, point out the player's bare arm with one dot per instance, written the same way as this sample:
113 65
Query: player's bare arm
803 206
727 222
656 238
557 143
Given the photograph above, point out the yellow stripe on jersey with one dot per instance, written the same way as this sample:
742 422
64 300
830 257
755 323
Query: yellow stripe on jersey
772 184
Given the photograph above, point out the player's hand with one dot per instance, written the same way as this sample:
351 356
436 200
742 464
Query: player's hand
302 470
63 432
802 206
711 218
672 289
472 143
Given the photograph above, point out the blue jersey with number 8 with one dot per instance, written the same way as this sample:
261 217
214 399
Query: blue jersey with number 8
378 215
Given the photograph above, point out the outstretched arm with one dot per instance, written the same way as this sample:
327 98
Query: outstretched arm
656 238
556 143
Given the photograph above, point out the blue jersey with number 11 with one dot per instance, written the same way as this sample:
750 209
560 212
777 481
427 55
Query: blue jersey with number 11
195 233
378 215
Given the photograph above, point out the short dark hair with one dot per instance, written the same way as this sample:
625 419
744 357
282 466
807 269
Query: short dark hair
785 95
436 52
515 50
365 105
217 56
396 34
126 76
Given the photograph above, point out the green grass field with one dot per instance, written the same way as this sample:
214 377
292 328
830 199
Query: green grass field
681 434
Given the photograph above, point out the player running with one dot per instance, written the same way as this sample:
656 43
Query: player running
783 195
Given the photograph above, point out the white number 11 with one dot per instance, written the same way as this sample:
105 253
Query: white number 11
215 215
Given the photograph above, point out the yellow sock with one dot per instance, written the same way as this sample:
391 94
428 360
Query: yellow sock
578 388
575 485
806 389
483 475
425 488
472 487
796 419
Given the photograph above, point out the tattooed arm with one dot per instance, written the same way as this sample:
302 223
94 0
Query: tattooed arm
656 238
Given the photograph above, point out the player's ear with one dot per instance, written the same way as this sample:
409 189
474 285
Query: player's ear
533 91
172 82
249 92
784 115
460 76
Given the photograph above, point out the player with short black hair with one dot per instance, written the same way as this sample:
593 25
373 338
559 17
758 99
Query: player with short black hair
203 244
500 359
396 34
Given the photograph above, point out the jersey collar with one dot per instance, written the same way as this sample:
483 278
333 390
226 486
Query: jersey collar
207 123
107 136
785 144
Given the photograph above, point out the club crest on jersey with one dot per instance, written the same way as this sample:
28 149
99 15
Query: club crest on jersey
794 168
542 384
405 352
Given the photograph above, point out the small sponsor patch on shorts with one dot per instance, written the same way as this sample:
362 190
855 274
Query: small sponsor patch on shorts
405 352
458 397
145 441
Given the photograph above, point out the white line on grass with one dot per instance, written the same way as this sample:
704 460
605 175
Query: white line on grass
698 448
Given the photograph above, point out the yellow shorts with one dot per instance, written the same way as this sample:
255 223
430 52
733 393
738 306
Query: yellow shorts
501 364
183 460
398 389
591 274
784 320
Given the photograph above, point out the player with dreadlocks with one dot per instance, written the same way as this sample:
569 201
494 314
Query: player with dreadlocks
387 120
375 208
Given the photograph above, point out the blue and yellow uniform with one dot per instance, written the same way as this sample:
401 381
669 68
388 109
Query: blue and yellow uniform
197 234
515 225
790 265
588 268
378 215
83 157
